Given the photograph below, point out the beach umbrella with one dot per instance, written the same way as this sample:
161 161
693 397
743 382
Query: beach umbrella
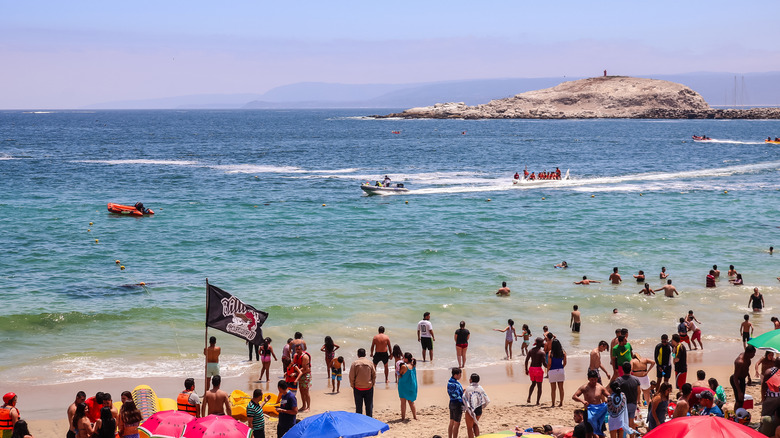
165 424
216 426
337 424
702 426
768 341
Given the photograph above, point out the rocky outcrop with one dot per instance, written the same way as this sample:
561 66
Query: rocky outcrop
600 97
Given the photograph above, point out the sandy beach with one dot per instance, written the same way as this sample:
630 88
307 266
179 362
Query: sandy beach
507 387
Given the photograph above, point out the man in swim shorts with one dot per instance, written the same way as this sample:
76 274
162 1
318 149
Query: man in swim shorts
741 372
669 290
575 321
302 360
425 335
595 360
680 361
614 278
380 349
663 357
212 360
535 372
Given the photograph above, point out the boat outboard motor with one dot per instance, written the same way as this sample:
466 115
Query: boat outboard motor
400 185
140 207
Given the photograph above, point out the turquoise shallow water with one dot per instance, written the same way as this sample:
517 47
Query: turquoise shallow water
239 199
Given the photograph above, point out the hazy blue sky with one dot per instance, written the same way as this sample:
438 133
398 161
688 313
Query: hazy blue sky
66 54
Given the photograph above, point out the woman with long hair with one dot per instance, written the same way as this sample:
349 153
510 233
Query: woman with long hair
511 336
617 407
656 412
21 430
329 347
81 423
129 419
407 385
266 352
105 426
398 359
556 361
462 336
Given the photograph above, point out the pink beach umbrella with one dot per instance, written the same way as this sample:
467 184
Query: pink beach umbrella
704 426
165 424
216 426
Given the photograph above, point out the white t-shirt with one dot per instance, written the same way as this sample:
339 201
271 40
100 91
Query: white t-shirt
425 328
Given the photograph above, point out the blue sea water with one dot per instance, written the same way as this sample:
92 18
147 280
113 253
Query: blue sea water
267 205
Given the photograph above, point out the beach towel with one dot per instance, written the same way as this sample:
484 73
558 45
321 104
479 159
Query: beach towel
596 416
474 398
618 413
407 385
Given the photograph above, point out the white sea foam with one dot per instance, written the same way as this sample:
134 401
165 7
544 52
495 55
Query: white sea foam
142 161
256 168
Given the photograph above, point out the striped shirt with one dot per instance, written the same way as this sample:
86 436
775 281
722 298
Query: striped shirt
255 411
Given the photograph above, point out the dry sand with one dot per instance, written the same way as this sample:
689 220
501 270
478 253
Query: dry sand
507 386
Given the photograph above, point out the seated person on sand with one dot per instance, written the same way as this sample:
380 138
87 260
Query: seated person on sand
586 281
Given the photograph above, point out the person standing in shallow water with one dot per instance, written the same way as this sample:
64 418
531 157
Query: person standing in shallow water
503 291
509 339
575 322
425 335
462 336
614 278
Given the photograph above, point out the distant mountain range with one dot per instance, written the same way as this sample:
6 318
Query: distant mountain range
718 89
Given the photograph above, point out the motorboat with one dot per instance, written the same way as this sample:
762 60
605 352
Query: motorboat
700 138
129 210
564 177
775 141
383 190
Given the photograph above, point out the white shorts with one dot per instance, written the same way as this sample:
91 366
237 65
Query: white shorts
556 376
644 382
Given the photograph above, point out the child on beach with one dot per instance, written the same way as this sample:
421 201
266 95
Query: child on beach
526 340
266 352
337 365
329 347
746 329
398 359
511 336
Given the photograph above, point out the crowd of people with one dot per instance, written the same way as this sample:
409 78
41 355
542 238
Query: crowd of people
542 175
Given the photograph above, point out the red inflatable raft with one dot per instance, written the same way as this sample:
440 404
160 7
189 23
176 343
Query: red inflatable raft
128 209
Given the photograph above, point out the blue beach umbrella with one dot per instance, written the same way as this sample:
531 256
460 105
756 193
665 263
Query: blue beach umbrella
768 341
337 424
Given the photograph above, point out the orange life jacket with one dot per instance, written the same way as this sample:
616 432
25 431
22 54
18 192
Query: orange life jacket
6 423
183 404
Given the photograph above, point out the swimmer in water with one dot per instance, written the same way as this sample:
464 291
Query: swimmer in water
669 290
663 273
647 290
586 281
562 264
614 278
640 277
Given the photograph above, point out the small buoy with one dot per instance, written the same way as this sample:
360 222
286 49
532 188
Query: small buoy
255 206
117 261
142 283
641 194
592 196
96 241
323 205
90 223
725 191
257 176
88 230
122 268
487 200
406 202
542 198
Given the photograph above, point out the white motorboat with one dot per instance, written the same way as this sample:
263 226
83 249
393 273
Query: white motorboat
525 181
383 190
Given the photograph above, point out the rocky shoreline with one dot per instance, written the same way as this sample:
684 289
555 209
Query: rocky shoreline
602 97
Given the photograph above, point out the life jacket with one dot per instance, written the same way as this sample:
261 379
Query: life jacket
298 360
6 423
183 404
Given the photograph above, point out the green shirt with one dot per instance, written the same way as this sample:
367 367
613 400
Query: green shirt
622 353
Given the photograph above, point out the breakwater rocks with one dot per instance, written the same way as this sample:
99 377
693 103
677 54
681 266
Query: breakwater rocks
600 97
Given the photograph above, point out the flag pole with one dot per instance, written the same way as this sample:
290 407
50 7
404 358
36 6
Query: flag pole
206 342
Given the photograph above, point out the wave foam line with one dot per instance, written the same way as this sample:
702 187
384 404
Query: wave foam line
141 161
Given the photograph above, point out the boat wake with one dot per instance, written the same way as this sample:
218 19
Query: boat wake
715 140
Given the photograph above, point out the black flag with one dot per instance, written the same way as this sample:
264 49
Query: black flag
229 314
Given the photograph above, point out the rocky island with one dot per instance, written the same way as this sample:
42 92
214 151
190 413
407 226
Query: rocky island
599 97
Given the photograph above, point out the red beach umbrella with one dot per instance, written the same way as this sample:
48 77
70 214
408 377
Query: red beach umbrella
165 424
702 426
216 426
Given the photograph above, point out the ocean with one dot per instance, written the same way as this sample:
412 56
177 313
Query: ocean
267 205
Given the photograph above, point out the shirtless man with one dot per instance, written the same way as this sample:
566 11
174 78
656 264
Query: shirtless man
212 360
302 360
586 281
215 400
504 291
595 360
536 372
615 277
380 349
715 271
81 396
591 393
669 290
663 273
746 329
741 372
575 322
683 406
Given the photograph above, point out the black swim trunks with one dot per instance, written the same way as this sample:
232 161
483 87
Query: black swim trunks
427 343
381 357
575 327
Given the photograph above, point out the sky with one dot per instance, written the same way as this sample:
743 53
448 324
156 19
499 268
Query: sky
67 54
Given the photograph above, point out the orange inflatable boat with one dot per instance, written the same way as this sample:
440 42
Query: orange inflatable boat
128 209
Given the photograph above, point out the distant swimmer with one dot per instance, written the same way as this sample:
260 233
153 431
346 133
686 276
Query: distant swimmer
771 250
715 271
640 277
562 264
737 281
614 278
710 280
503 291
756 300
586 281
663 273
669 290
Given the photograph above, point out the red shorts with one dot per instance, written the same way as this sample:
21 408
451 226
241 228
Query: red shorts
696 335
681 377
536 374
462 345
